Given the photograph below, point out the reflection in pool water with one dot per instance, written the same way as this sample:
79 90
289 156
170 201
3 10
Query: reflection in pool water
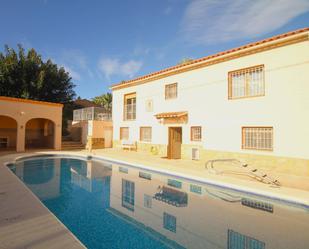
111 206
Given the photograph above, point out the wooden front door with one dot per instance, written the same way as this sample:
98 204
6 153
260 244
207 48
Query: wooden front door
174 142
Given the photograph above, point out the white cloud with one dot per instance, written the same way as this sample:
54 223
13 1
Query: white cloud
209 21
76 57
109 67
75 63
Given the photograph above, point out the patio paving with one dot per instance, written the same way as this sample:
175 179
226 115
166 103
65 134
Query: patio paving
299 179
24 221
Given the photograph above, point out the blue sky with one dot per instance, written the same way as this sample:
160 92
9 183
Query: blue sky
104 42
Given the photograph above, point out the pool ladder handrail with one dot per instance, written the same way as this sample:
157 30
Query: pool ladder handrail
254 172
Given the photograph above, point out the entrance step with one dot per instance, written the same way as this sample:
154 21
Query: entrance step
72 145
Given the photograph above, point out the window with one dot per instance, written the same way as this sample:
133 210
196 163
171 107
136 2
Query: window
130 106
247 82
240 241
127 200
174 183
124 133
123 170
196 133
145 134
144 175
195 189
4 141
257 138
169 222
171 91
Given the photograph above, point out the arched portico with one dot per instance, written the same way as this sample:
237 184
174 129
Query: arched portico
8 133
39 133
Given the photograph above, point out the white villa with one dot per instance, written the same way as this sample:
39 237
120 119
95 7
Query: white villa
250 102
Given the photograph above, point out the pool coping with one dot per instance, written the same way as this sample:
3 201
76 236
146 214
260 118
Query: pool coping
34 199
266 192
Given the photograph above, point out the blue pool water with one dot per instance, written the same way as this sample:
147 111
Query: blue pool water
114 206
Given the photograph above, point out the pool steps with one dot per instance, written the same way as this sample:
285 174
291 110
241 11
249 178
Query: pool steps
252 172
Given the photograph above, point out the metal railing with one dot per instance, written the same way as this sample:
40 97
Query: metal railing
130 112
245 169
91 113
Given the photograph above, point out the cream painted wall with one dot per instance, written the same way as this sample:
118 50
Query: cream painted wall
22 112
204 94
96 129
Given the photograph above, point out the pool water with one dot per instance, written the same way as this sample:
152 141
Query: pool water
107 205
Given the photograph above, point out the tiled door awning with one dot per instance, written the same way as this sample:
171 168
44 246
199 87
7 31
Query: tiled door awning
172 197
171 115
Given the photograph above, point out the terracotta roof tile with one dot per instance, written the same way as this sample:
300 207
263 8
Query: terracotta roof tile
29 101
277 37
171 114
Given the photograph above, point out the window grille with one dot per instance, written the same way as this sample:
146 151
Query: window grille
174 183
248 82
169 222
145 134
196 133
240 241
124 133
144 175
257 138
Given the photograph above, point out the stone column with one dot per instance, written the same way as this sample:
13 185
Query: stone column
20 143
57 136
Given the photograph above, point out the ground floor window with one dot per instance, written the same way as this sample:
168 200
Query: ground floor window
257 138
240 241
169 222
124 133
196 133
145 134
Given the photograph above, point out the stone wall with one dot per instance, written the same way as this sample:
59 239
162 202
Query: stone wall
290 165
95 143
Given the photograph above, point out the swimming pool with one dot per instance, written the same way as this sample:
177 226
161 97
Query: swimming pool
109 205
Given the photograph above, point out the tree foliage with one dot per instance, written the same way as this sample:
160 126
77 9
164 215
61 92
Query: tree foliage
26 75
105 100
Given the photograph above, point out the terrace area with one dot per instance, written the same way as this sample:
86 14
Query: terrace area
92 113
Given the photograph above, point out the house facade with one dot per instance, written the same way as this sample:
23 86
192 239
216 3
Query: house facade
246 103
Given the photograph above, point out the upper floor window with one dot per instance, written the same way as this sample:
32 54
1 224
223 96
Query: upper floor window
129 106
247 82
171 91
145 134
196 133
257 138
128 195
169 222
124 133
